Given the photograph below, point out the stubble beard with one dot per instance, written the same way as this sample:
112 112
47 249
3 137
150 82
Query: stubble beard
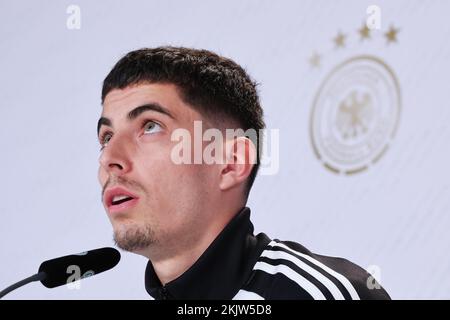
134 238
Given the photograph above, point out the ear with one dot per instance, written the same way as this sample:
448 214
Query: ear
239 161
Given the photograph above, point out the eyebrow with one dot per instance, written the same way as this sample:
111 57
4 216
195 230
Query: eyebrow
136 112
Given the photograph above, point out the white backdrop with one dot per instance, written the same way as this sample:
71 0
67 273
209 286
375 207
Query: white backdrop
395 215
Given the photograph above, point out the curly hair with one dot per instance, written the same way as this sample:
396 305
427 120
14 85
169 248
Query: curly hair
213 85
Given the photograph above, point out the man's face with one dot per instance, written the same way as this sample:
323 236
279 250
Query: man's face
168 200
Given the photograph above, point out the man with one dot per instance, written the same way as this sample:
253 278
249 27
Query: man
190 219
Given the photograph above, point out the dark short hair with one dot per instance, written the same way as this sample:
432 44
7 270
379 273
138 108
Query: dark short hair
213 85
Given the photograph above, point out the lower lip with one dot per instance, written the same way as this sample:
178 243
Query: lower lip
123 206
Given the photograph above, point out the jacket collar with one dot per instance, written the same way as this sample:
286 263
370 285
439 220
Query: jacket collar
222 269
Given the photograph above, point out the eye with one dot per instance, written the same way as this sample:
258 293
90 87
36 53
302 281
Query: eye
104 139
151 127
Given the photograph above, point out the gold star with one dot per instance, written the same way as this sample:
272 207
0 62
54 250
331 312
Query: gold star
314 61
364 32
391 35
339 40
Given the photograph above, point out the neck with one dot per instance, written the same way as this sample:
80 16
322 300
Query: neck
170 268
174 260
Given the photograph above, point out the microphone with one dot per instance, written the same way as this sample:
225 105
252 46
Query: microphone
59 271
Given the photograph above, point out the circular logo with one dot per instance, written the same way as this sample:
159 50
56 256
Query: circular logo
355 114
88 274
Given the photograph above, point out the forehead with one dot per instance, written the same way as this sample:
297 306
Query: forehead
119 102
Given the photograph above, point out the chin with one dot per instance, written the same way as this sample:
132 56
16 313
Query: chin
133 237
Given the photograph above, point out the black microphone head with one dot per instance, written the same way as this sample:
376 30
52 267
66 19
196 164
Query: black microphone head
74 267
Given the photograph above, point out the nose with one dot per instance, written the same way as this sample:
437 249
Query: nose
115 157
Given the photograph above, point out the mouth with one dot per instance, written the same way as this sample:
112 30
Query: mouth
119 199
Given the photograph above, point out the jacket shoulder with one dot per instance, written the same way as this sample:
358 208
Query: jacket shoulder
292 271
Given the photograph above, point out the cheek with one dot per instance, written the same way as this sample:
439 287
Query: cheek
192 180
153 161
164 179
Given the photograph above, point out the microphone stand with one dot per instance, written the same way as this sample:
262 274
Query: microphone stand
37 277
